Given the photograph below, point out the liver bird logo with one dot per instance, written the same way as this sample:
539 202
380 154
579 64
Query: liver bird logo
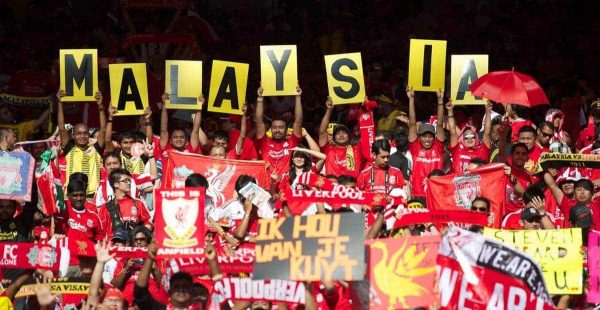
395 277
217 182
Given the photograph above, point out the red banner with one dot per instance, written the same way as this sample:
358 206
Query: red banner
23 255
402 272
457 191
241 262
221 174
340 195
420 216
475 272
250 290
179 220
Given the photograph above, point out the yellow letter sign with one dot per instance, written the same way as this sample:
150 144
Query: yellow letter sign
427 65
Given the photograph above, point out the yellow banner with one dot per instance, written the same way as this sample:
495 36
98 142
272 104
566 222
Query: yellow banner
466 69
128 88
55 288
427 65
183 83
228 83
279 70
557 251
345 78
79 74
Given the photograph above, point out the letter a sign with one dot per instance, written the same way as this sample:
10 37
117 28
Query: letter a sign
79 74
128 88
228 82
466 69
345 78
279 70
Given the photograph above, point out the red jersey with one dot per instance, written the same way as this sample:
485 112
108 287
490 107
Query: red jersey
336 162
154 288
512 220
424 161
567 204
277 153
378 180
79 225
461 155
586 136
515 126
248 149
133 211
513 202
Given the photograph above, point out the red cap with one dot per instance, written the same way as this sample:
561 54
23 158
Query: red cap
114 293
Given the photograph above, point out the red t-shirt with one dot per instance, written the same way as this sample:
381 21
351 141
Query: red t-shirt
336 160
130 212
248 149
424 161
567 204
586 137
515 126
513 202
154 288
277 153
394 176
77 225
461 155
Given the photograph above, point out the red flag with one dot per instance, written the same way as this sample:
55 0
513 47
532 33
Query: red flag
457 191
179 222
221 174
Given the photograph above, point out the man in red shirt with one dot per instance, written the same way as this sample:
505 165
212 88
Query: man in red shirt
177 140
276 150
517 115
584 189
239 150
78 222
123 212
428 152
380 177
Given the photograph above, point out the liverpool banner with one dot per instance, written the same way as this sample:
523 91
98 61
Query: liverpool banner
179 222
402 272
221 174
241 262
476 272
457 191
16 175
22 255
250 290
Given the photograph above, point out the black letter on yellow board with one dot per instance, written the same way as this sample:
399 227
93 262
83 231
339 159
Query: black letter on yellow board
174 96
427 65
279 66
228 83
127 83
335 72
470 75
79 74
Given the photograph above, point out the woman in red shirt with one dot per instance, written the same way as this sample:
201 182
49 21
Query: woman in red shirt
466 145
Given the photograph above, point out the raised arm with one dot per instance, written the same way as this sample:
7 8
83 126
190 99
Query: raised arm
439 130
149 150
42 119
323 136
164 123
102 256
451 124
101 117
148 125
240 141
311 142
313 153
554 189
60 118
194 136
108 145
487 129
240 231
260 114
298 113
412 116
144 275
202 138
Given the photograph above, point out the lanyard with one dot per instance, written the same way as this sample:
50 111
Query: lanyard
386 182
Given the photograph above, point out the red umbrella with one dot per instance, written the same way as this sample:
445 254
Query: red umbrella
509 87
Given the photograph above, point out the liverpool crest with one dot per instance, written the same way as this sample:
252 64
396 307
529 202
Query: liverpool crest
466 188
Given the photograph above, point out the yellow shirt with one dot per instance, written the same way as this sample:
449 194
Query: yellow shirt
87 161
22 130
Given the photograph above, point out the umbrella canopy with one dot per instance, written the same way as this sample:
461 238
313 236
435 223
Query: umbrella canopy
509 87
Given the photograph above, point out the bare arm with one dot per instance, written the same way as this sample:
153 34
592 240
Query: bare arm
120 280
310 152
240 231
260 111
323 135
60 118
439 131
240 141
195 136
14 287
298 113
102 256
412 116
108 145
148 125
164 123
374 230
554 189
149 150
42 119
311 143
451 124
102 118
144 275
487 129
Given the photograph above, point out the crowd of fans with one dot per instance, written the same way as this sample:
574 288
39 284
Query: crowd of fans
110 165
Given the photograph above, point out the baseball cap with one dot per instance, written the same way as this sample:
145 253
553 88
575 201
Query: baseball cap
120 235
425 128
530 213
340 127
114 293
581 216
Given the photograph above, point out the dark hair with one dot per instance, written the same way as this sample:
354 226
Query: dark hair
307 164
111 154
242 180
380 145
545 124
384 134
116 175
516 145
436 173
528 129
181 276
141 229
126 134
532 192
345 179
78 176
221 134
497 120
484 200
584 183
331 177
401 140
521 111
478 161
196 180
76 185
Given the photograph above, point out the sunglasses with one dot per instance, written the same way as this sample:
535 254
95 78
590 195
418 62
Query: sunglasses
140 239
480 209
534 219
546 135
469 137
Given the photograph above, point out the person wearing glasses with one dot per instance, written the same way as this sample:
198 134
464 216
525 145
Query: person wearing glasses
537 142
123 212
466 145
533 216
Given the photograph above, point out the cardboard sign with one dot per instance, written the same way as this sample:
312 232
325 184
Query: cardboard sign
179 221
476 272
279 70
407 263
17 175
427 65
558 251
466 69
128 88
345 78
79 74
228 83
183 83
593 293
311 248
249 289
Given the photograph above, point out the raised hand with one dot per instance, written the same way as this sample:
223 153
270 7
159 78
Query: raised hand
298 90
164 98
98 97
329 103
410 93
42 292
449 105
59 94
201 100
148 148
102 251
259 91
